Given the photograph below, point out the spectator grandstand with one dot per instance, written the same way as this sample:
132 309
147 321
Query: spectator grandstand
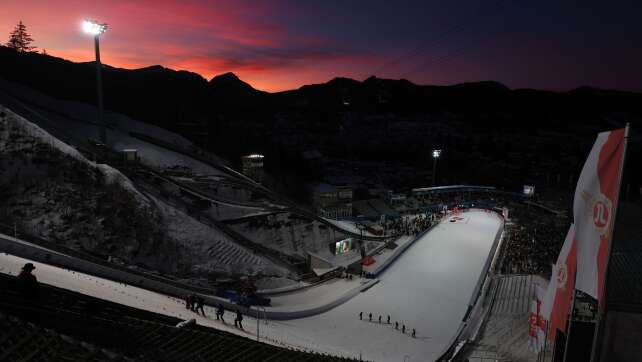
61 325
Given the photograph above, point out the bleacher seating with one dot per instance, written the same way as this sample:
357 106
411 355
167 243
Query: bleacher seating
24 341
128 333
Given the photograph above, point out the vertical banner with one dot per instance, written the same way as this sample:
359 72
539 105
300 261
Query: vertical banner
559 294
594 210
536 322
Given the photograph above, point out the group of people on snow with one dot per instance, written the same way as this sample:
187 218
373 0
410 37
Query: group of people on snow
196 302
413 334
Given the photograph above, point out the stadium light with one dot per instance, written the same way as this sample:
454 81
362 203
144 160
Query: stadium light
95 28
435 155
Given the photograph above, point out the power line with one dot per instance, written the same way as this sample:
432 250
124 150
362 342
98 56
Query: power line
449 56
454 30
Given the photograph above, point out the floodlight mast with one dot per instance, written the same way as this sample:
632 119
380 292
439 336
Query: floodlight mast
435 155
94 28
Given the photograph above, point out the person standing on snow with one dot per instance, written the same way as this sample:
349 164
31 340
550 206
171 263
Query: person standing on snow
192 302
220 311
199 305
239 319
188 302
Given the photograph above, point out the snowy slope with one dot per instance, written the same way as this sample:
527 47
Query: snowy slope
203 249
211 250
427 288
288 233
16 122
76 121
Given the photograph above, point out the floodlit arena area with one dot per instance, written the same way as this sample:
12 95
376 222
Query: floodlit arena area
428 288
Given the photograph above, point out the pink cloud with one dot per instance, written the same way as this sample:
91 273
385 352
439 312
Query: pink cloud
204 37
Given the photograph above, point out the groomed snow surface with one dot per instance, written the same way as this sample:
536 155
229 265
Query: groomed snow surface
427 288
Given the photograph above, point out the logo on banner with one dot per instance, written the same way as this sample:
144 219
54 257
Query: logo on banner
532 324
561 276
600 211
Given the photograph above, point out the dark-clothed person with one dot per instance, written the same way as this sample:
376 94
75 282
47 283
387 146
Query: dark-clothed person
239 319
27 282
220 311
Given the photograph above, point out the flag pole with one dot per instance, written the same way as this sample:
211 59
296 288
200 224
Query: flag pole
601 307
545 341
570 323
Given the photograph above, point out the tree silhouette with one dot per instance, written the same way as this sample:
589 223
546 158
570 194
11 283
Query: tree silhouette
20 39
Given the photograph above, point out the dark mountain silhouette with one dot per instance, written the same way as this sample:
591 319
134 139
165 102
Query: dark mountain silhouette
336 117
154 94
228 90
165 97
231 81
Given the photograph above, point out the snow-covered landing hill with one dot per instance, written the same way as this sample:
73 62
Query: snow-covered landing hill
50 190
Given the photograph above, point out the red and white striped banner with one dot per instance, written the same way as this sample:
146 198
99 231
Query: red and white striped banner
559 294
536 322
594 210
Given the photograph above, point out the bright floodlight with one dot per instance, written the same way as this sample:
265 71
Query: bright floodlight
436 153
93 27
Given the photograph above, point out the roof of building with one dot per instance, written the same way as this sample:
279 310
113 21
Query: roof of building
451 188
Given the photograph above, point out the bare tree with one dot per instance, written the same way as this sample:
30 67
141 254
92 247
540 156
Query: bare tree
19 39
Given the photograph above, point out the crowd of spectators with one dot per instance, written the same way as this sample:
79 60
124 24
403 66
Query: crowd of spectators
410 225
534 235
533 241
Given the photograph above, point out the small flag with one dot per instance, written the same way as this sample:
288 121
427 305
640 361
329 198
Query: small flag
559 294
536 322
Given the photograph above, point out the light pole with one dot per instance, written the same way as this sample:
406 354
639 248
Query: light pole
94 28
435 156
